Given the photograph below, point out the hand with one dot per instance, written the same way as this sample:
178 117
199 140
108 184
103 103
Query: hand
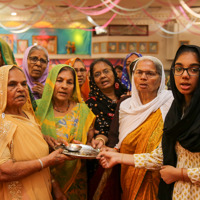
170 174
56 157
52 142
38 88
97 144
105 148
57 192
108 158
76 142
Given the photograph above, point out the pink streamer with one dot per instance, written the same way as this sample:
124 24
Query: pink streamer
168 4
105 10
41 1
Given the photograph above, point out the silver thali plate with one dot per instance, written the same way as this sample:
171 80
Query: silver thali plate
86 152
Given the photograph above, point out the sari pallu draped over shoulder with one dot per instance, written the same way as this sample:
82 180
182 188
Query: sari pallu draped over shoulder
45 116
140 131
21 140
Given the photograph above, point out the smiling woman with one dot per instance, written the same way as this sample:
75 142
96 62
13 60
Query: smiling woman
35 66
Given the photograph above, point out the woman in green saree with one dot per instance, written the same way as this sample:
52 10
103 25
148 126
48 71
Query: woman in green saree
63 114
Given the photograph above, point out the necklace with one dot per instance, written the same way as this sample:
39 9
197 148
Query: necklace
62 111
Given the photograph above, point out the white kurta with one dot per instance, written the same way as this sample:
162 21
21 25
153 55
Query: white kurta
185 159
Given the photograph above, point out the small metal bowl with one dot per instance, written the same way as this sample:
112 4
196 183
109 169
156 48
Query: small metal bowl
73 147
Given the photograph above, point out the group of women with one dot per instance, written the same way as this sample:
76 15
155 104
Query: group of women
59 107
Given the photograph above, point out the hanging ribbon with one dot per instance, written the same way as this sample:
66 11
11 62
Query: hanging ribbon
31 7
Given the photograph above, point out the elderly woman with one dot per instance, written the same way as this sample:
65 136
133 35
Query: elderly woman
6 54
105 91
139 129
24 154
126 68
35 66
179 152
63 114
81 72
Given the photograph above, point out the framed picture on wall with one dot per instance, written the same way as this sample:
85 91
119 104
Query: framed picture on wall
112 47
153 47
184 42
103 47
122 47
22 45
132 47
96 47
8 38
49 42
143 48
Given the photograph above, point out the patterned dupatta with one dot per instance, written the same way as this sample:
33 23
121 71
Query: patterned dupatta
45 116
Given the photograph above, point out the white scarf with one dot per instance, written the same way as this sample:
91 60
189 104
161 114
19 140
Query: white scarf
133 113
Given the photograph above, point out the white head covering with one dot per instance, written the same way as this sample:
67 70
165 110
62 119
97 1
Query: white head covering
133 113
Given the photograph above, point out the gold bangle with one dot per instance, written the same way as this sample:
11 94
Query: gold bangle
122 158
100 138
182 175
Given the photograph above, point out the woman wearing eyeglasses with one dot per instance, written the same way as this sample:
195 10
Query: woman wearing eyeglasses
178 155
139 126
105 91
81 72
35 66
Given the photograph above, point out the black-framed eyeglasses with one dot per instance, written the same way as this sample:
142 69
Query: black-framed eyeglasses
192 71
35 59
82 70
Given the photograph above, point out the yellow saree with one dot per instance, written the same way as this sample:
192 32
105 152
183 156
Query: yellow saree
136 183
21 140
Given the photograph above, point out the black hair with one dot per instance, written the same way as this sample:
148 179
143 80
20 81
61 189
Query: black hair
119 67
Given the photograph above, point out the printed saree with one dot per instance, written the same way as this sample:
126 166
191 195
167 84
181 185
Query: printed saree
136 183
21 140
74 124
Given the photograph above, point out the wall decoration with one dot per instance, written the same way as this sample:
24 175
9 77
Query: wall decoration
122 47
143 47
137 30
96 48
112 47
49 42
103 47
183 42
8 38
153 47
132 47
22 45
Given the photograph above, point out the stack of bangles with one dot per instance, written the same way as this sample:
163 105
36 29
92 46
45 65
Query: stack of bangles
116 149
100 138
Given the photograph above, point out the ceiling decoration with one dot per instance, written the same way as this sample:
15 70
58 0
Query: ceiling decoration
85 14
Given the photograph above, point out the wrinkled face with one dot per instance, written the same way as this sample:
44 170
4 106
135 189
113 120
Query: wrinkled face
185 83
37 63
103 76
81 72
64 86
129 61
17 91
146 78
119 73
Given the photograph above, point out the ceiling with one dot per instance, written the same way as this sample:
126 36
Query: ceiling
73 13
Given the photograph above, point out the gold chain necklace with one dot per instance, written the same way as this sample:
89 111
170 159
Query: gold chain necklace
60 111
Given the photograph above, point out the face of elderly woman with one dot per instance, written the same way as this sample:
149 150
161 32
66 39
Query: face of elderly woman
185 83
81 72
146 78
64 86
17 89
37 63
103 76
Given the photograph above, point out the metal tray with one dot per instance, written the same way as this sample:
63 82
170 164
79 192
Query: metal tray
86 152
